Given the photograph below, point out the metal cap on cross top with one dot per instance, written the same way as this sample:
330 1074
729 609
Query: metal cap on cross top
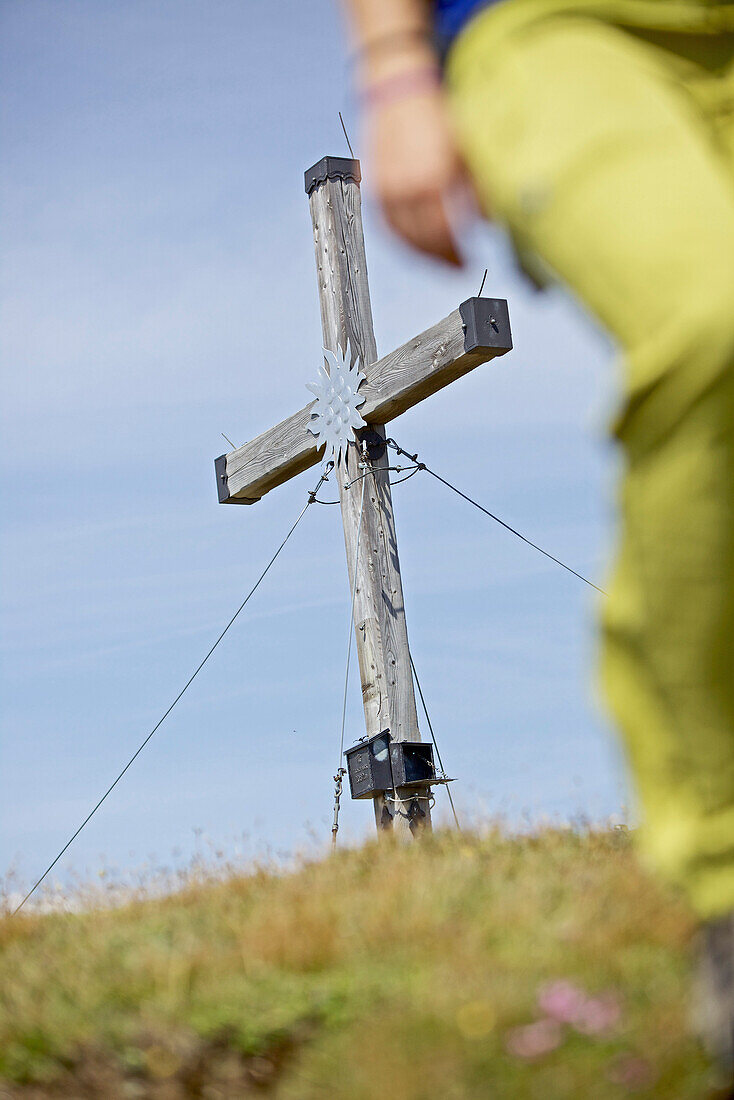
332 168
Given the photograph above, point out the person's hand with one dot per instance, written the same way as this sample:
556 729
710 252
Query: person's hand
417 169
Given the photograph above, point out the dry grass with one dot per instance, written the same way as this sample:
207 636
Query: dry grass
380 971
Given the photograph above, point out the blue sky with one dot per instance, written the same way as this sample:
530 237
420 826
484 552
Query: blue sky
159 289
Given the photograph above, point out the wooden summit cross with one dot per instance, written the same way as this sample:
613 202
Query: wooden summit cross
477 331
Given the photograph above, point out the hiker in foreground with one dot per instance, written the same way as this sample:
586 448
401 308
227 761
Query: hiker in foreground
601 134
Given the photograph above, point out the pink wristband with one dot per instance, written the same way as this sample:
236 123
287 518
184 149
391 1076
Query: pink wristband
400 85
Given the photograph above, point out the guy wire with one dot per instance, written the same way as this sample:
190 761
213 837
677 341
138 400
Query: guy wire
351 628
433 738
195 673
512 530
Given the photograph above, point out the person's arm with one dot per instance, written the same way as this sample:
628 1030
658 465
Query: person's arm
414 161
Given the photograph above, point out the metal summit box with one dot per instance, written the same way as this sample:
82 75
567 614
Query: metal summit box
378 764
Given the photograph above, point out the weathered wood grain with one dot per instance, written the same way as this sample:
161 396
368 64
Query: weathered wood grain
393 384
364 486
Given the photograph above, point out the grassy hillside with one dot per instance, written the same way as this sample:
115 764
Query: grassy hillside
465 967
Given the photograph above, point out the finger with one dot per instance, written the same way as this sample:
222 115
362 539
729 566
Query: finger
422 222
425 228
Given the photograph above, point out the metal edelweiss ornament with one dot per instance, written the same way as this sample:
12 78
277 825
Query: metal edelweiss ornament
335 416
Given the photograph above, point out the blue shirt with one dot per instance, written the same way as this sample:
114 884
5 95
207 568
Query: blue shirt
450 16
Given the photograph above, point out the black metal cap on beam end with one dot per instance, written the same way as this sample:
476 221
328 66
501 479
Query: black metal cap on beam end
332 168
486 324
220 469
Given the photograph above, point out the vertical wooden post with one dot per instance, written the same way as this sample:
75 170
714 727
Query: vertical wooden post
382 638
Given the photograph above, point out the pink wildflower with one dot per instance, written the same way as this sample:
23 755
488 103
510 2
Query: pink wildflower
568 1004
598 1015
534 1040
562 1001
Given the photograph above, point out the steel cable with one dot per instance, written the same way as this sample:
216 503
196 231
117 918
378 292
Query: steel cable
433 738
422 466
340 771
351 628
195 673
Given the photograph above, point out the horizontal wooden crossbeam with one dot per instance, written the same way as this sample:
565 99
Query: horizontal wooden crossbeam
477 331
